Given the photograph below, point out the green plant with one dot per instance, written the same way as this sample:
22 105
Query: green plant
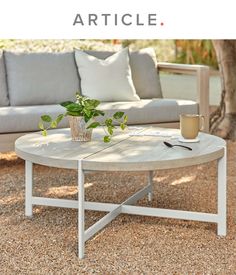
196 52
86 108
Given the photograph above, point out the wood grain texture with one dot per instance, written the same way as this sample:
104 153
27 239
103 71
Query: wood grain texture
7 141
202 82
58 150
124 153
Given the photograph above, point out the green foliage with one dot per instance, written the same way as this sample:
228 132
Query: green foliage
47 122
181 51
83 107
118 115
59 118
86 108
46 118
40 125
44 133
122 126
108 124
107 139
196 52
94 125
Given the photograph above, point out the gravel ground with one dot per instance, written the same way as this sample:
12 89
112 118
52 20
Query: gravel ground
47 243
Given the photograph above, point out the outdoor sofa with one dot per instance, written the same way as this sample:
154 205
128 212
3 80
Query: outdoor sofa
32 84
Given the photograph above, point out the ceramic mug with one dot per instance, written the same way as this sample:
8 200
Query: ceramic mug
190 125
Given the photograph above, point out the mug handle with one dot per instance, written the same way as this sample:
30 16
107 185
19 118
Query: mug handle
202 122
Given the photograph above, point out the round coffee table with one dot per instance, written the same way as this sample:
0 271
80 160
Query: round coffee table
144 151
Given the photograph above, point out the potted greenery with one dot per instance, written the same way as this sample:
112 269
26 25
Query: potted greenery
82 119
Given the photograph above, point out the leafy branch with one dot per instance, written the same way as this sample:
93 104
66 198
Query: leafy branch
108 125
50 123
86 108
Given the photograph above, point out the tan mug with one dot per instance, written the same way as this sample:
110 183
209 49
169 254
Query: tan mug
190 125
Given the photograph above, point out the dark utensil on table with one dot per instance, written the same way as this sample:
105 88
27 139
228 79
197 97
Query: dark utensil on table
172 145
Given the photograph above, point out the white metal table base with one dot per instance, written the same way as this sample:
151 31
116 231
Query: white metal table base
126 207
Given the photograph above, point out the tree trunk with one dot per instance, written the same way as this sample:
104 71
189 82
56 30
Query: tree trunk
223 120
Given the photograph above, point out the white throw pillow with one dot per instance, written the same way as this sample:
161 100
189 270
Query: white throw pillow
106 80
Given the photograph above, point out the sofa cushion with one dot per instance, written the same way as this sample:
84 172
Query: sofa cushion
106 80
145 111
144 71
14 119
41 78
148 111
4 101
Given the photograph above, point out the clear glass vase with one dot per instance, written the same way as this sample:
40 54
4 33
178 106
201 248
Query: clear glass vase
78 127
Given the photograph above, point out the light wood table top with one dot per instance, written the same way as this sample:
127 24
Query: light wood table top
124 153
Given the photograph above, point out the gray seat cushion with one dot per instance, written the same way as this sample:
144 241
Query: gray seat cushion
14 119
4 101
145 111
148 111
145 75
41 78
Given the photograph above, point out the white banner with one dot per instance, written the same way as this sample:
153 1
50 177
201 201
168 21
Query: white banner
109 19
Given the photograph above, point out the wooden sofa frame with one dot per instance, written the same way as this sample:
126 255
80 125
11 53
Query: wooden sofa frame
201 72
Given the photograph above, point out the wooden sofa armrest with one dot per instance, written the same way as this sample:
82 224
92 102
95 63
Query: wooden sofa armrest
202 77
